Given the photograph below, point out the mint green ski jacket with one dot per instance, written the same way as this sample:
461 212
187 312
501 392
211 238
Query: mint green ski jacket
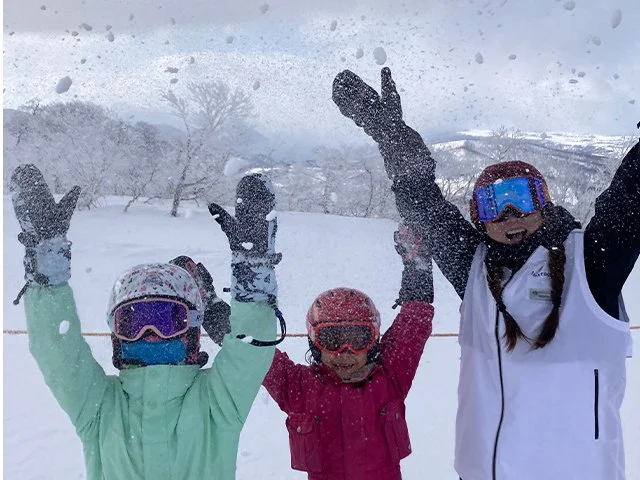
156 422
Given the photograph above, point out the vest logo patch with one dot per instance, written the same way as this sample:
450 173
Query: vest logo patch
540 273
538 294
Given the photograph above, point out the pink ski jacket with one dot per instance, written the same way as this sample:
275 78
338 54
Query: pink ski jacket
353 430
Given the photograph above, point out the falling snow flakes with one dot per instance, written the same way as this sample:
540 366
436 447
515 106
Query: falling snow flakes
74 33
595 39
171 70
264 8
632 101
107 27
63 85
581 74
359 53
192 60
573 80
229 40
379 55
479 58
109 36
172 20
173 81
85 26
333 26
512 56
616 76
131 17
83 61
569 5
43 7
256 85
616 18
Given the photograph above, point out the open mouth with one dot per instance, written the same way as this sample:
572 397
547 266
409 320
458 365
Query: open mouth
516 235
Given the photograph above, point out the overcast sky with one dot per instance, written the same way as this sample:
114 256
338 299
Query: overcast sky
537 65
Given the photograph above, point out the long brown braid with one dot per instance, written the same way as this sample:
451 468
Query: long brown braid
513 332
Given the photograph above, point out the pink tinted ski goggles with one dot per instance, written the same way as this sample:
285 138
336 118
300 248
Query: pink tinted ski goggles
166 318
335 337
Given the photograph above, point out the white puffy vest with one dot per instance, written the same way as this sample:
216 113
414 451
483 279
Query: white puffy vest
547 414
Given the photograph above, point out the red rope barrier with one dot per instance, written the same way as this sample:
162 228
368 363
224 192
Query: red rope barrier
292 335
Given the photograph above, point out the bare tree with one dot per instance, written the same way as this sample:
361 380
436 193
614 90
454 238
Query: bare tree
213 116
606 174
148 154
504 143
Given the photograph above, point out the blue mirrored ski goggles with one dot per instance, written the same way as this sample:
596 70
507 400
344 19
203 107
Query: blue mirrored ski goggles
522 193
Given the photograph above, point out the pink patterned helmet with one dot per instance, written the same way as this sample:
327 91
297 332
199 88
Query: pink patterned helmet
159 280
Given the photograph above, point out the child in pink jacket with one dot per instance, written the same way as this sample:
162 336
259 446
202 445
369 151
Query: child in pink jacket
346 412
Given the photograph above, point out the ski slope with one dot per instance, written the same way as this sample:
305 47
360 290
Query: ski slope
319 252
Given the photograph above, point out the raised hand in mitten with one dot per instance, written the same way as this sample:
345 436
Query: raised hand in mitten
361 103
252 238
417 275
251 234
44 224
403 150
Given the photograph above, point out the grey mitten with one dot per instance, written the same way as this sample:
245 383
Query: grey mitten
417 275
44 225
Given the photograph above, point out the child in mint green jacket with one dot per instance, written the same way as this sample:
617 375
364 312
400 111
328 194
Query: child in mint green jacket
163 416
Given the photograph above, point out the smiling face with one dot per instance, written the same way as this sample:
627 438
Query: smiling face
350 367
513 229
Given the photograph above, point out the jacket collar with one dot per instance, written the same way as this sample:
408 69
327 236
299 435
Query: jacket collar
326 375
175 380
558 224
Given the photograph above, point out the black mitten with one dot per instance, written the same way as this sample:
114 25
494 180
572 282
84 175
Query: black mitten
417 275
216 311
251 234
252 238
403 150
377 114
44 225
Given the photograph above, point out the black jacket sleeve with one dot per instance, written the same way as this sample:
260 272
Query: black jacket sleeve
612 237
452 239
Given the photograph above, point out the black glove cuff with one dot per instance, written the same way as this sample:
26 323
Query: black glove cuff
416 285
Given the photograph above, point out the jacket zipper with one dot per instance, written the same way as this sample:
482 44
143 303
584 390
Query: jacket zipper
495 444
596 384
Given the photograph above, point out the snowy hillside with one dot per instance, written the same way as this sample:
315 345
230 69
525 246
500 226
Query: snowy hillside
320 252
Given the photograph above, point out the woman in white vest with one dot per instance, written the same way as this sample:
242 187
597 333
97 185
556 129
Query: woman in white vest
543 331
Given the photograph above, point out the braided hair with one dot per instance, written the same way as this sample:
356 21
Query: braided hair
513 332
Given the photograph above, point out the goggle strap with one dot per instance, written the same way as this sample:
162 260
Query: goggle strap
195 318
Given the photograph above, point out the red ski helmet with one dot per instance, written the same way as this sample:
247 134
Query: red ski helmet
342 305
503 171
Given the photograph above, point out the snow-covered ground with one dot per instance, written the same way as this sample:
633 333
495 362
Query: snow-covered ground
320 252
